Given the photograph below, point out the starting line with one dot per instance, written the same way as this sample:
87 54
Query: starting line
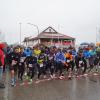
26 83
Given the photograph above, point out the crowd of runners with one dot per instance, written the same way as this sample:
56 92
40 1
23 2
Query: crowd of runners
49 62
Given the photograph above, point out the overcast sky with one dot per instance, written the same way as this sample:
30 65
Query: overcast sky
76 18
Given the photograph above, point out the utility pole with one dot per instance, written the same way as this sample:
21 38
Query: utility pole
37 30
58 36
20 32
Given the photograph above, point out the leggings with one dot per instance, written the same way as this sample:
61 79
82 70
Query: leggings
31 72
41 70
20 74
59 67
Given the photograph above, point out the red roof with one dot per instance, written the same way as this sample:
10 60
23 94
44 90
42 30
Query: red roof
51 33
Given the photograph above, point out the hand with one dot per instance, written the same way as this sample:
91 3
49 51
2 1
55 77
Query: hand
1 66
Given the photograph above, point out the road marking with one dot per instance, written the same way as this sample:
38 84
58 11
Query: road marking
26 83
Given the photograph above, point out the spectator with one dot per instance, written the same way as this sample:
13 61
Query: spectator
1 66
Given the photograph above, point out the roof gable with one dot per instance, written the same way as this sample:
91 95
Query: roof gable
52 33
49 30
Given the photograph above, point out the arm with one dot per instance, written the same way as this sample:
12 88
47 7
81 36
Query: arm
2 57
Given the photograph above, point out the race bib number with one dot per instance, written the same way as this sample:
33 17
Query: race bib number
80 62
68 61
50 58
52 66
41 65
21 60
20 64
30 65
14 62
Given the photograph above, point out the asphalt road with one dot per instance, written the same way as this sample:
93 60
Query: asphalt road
84 88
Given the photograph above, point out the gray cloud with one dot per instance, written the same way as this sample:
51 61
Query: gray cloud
77 18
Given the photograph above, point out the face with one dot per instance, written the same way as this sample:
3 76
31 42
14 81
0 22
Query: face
16 50
59 50
21 50
80 54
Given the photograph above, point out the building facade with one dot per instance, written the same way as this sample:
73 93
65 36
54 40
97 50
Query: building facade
50 37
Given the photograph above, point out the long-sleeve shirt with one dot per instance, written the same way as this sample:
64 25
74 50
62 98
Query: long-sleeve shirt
2 57
59 57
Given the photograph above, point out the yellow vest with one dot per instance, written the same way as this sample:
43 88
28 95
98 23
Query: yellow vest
37 52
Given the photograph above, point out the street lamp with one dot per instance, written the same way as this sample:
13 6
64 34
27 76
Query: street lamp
20 32
37 30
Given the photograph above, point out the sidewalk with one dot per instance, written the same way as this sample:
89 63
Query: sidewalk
4 92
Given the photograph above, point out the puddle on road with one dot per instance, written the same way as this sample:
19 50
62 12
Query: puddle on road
94 79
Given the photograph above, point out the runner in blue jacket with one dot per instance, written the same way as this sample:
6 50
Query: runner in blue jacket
60 60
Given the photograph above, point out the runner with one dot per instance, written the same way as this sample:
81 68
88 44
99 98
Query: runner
51 64
81 63
60 60
32 63
69 63
14 60
41 67
21 65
